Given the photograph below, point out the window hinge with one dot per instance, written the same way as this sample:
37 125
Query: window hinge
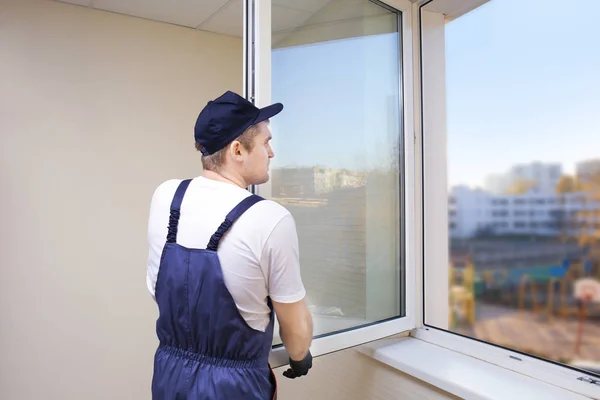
589 380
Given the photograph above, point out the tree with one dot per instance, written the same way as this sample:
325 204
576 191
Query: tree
566 184
587 218
521 186
589 215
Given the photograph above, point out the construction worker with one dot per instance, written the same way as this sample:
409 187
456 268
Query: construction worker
222 261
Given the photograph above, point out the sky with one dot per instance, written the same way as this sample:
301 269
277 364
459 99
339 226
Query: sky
523 85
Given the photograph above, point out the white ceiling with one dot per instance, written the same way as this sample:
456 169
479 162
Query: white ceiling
453 9
225 16
219 16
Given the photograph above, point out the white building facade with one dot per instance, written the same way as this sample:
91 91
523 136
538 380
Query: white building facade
474 211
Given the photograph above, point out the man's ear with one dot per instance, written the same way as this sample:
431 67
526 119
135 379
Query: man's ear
236 149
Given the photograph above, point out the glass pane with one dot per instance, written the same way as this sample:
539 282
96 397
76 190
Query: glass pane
524 176
337 165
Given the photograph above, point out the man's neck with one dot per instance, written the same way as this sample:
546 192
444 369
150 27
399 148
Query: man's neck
232 179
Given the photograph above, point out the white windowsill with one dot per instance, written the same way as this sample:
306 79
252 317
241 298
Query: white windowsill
461 375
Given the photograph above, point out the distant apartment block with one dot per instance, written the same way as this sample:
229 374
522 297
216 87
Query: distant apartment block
476 211
542 176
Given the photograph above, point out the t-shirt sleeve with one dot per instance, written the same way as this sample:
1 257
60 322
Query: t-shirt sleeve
281 258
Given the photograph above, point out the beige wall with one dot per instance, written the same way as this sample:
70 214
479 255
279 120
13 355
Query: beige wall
96 109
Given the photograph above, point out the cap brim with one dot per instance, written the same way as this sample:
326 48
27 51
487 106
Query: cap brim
268 112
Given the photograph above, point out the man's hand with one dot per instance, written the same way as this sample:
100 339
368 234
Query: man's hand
299 368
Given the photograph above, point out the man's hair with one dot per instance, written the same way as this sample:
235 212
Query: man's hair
215 161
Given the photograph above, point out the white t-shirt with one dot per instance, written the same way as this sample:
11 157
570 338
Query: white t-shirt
259 254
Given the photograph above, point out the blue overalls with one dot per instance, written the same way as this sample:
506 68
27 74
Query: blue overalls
206 351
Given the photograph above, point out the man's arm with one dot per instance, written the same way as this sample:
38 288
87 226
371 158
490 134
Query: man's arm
295 327
286 290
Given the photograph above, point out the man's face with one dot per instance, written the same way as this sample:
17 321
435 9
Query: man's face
256 165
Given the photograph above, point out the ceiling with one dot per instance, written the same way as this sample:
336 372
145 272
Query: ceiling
219 16
225 16
453 9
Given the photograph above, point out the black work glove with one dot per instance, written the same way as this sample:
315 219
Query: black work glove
299 368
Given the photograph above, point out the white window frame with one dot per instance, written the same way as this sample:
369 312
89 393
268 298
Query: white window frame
429 57
257 58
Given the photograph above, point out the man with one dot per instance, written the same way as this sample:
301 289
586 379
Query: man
221 262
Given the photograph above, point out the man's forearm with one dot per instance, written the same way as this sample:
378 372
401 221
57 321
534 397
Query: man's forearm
297 342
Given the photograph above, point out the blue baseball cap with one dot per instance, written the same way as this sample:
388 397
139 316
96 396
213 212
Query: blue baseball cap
225 118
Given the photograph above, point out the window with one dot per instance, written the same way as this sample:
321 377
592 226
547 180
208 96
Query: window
341 157
338 76
518 94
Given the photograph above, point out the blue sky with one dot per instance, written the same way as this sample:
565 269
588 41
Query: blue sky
523 85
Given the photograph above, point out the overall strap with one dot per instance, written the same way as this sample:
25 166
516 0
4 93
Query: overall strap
234 214
175 210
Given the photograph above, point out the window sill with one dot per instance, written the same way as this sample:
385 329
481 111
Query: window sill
459 374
